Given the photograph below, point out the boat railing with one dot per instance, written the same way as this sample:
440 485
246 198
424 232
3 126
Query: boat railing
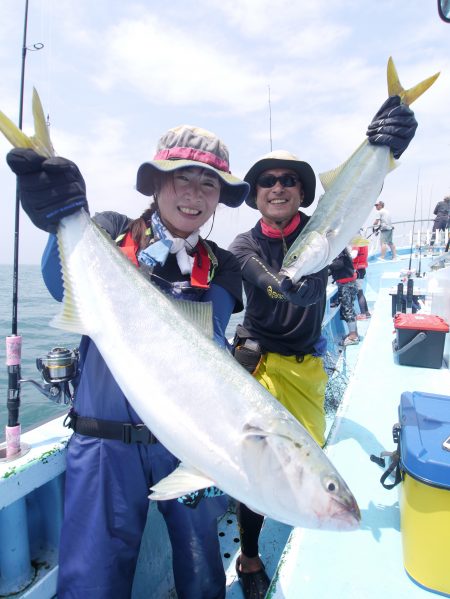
411 234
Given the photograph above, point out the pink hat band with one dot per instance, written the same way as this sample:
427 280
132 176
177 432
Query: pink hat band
184 153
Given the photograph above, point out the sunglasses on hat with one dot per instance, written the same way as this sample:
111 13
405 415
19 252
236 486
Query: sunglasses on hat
268 181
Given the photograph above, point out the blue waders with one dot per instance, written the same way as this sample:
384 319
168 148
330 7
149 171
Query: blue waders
106 503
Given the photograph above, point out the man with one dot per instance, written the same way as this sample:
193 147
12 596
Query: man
384 224
442 213
280 341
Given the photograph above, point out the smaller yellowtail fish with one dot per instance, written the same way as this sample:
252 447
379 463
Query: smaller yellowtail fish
228 431
350 192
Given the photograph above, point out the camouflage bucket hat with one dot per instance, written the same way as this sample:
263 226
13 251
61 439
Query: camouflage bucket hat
187 146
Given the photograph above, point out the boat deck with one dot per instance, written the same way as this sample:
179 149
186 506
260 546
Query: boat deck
367 562
302 563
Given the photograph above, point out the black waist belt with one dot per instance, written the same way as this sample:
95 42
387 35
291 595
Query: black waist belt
108 429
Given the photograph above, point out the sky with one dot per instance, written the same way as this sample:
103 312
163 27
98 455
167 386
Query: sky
113 76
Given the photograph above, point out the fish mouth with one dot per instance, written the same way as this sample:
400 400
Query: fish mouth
188 211
347 511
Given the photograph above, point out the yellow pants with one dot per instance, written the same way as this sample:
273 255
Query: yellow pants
299 386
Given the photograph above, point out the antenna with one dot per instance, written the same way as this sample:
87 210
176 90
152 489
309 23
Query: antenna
414 224
270 120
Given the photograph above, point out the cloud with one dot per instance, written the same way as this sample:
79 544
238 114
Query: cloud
171 66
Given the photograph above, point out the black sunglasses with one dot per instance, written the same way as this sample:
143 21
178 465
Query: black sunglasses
286 180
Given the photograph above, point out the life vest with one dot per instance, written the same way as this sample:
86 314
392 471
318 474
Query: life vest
360 260
205 262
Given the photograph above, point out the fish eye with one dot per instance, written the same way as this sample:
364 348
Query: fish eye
331 485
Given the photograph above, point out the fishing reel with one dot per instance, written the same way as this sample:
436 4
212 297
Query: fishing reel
58 367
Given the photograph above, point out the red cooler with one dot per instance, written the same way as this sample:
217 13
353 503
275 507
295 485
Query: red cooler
420 339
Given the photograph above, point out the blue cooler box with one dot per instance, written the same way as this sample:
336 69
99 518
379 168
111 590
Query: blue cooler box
425 489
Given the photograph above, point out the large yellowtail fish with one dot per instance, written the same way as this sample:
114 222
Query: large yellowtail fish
350 193
226 429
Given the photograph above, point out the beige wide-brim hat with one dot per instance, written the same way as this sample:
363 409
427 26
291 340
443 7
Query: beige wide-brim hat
187 146
282 159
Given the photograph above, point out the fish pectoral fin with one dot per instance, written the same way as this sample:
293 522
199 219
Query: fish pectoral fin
253 432
183 480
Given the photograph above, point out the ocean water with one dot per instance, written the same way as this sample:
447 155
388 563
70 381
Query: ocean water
35 310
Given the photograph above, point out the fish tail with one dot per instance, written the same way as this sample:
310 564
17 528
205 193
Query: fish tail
13 134
407 96
40 142
41 136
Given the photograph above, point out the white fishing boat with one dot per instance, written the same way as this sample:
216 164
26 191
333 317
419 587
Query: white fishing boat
364 563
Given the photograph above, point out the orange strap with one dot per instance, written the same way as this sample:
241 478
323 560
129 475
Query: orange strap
129 247
200 269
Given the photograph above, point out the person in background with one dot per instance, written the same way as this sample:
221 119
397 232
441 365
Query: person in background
108 472
442 217
383 223
360 255
280 340
344 275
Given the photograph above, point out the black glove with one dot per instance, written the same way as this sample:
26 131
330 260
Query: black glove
50 188
303 293
393 125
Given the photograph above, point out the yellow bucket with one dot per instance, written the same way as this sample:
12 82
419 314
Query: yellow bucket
425 490
425 528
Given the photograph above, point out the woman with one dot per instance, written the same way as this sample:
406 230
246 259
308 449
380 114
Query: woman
107 478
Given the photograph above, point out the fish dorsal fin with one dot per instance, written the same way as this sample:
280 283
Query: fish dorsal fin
183 480
329 177
69 316
41 136
407 96
199 313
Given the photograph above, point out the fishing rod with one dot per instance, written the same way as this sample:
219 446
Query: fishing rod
429 215
418 270
414 226
14 341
